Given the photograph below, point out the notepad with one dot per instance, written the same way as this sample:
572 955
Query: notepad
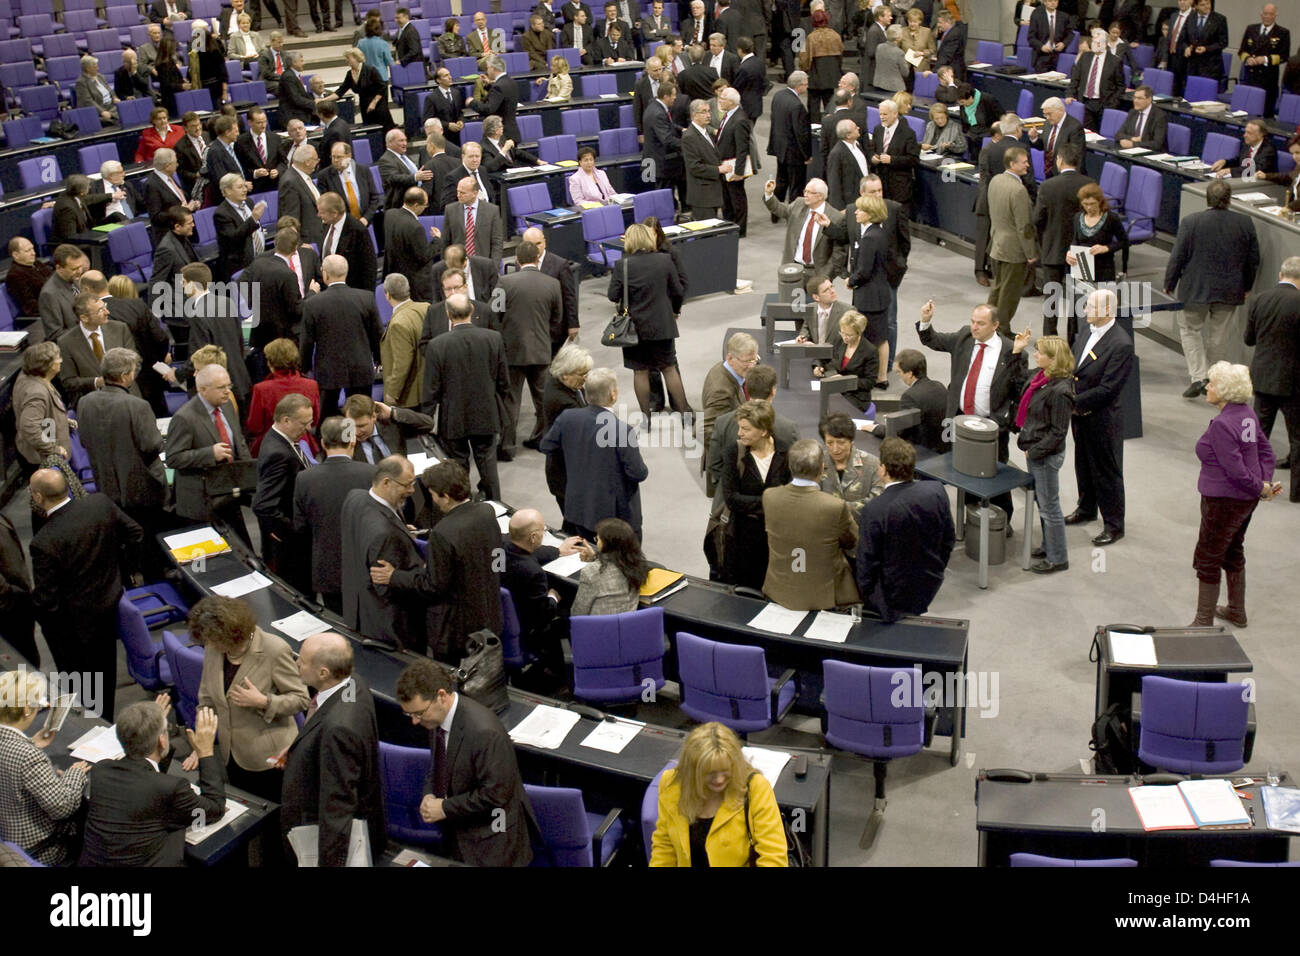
192 545
545 728
778 619
1134 650
1161 808
659 581
1213 803
565 566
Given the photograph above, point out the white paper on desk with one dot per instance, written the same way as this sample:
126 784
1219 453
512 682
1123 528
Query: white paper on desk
1253 197
565 566
674 230
828 626
769 763
1160 157
545 728
546 167
98 744
305 842
1272 210
778 619
710 222
1135 650
188 539
238 587
498 507
420 461
1214 803
790 342
610 96
195 835
550 540
300 626
612 736
862 424
1134 151
620 198
1091 137
815 385
985 66
1161 808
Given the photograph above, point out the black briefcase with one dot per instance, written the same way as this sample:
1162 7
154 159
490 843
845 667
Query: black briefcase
230 481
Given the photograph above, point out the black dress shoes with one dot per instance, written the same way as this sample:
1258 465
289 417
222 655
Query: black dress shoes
1047 567
533 443
1078 517
503 455
1195 389
1038 553
1109 536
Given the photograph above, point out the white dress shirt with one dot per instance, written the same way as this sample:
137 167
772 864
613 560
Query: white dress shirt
1093 338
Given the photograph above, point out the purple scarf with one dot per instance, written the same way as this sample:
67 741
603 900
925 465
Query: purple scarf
1023 412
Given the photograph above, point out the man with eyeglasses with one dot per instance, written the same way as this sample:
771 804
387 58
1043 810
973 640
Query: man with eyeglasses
724 389
473 788
374 530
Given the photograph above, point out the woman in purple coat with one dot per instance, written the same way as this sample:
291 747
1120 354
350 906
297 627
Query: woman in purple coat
1236 474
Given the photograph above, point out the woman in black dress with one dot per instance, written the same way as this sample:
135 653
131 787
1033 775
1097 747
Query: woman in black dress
852 355
370 88
563 390
170 81
654 297
758 462
1098 228
869 280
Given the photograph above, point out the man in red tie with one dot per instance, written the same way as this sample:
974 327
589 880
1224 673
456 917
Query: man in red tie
1097 79
1170 51
987 378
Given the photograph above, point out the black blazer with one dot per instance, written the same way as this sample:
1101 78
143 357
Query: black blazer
1265 158
72 217
1153 132
899 174
296 200
278 467
1054 213
246 150
1214 37
296 102
408 45
318 497
235 247
502 100
905 537
642 96
436 322
791 137
993 161
483 779
338 324
465 378
483 272
138 816
354 244
1005 389
1047 420
172 254
867 278
436 105
843 174
865 364
932 399
331 774
1098 382
1215 257
409 250
370 531
951 51
280 303
216 321
96 537
587 41
654 295
1273 328
556 397
750 80
1110 85
494 161
696 81
1040 31
528 587
218 161
663 142
735 141
150 337
566 273
368 199
1071 132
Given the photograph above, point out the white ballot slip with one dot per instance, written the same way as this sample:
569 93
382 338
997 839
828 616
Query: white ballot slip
828 626
300 626
545 728
305 841
778 619
195 835
237 587
1135 650
769 763
565 566
98 744
612 736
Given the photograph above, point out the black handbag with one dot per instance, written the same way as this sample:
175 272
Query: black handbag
62 130
795 853
620 333
230 481
481 675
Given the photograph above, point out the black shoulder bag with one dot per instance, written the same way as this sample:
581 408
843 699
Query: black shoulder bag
620 333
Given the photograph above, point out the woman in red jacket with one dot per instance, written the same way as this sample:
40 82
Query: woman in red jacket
285 379
159 134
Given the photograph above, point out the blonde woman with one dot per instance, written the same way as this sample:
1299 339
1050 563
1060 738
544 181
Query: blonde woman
244 44
1043 420
941 134
702 807
559 85
370 85
917 36
37 802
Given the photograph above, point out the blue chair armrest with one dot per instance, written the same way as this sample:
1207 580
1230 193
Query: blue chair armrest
778 715
598 838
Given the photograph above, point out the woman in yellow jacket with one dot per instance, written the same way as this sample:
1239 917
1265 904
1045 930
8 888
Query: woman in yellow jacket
702 819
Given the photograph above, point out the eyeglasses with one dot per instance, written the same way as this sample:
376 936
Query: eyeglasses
418 715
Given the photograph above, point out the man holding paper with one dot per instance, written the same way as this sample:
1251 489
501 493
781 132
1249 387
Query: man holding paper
734 142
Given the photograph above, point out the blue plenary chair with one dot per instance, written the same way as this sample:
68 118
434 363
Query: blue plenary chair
580 122
729 683
361 152
39 172
1248 98
604 222
92 157
926 86
472 132
186 664
1141 204
1114 184
1034 859
1192 727
863 717
616 657
1111 121
596 84
650 809
656 202
134 112
130 249
512 648
402 771
1220 146
1025 103
553 149
526 200
1178 139
988 51
617 142
160 603
1160 81
146 659
1201 88
1288 108
1239 863
530 127
570 835
21 131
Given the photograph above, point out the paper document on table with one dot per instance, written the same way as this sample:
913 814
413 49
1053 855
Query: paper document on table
862 424
545 728
769 763
1135 650
790 342
1134 151
1160 157
1253 197
195 835
420 461
827 626
1281 808
550 540
778 619
498 507
238 587
300 626
564 566
98 744
1091 137
1214 803
612 736
1161 808
188 539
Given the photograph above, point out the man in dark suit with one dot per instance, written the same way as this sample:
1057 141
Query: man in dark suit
473 789
881 17
537 605
176 249
895 154
1172 49
398 171
1207 39
842 109
533 310
704 184
750 79
1213 266
122 201
719 59
986 376
611 466
1061 128
77 560
1264 47
1054 213
662 141
318 496
1049 34
337 325
480 273
380 429
203 434
239 229
221 157
502 98
459 581
1257 154
334 128
349 238
928 397
214 320
331 771
279 462
373 529
578 34
60 291
1145 125
258 150
471 165
17 619
696 23
407 40
466 384
169 11
1097 79
655 27
73 209
439 157
138 814
566 273
406 250
279 309
298 194
791 138
905 537
296 101
696 81
149 338
736 151
613 19
1273 329
646 91
472 221
499 153
272 61
452 282
846 164
446 103
1103 361
190 151
951 45
82 347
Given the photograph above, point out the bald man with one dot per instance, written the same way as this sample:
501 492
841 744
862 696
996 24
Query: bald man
331 770
340 335
541 626
1264 48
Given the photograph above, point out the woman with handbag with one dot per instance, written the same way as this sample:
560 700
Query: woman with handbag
650 290
715 809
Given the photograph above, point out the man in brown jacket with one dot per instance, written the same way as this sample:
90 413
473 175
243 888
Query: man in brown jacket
399 349
808 533
1013 243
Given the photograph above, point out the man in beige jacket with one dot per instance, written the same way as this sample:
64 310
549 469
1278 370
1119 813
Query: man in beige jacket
399 349
1013 244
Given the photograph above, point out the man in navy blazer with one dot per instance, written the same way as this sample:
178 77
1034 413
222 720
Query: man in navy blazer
905 537
594 443
1049 34
951 46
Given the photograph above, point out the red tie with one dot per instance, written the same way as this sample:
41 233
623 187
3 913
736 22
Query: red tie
469 231
279 67
1173 34
806 253
222 431
1091 92
972 377
261 150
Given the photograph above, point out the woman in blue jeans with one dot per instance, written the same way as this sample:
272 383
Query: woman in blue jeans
1043 420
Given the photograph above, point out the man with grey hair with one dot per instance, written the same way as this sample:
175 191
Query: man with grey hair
298 194
138 814
296 101
895 155
1213 266
203 435
347 236
272 60
399 349
1061 128
704 184
162 190
809 533
807 239
499 153
845 166
123 204
1273 328
147 52
1006 133
502 97
724 388
790 140
398 171
1103 361
595 443
280 460
340 335
239 228
537 605
737 154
